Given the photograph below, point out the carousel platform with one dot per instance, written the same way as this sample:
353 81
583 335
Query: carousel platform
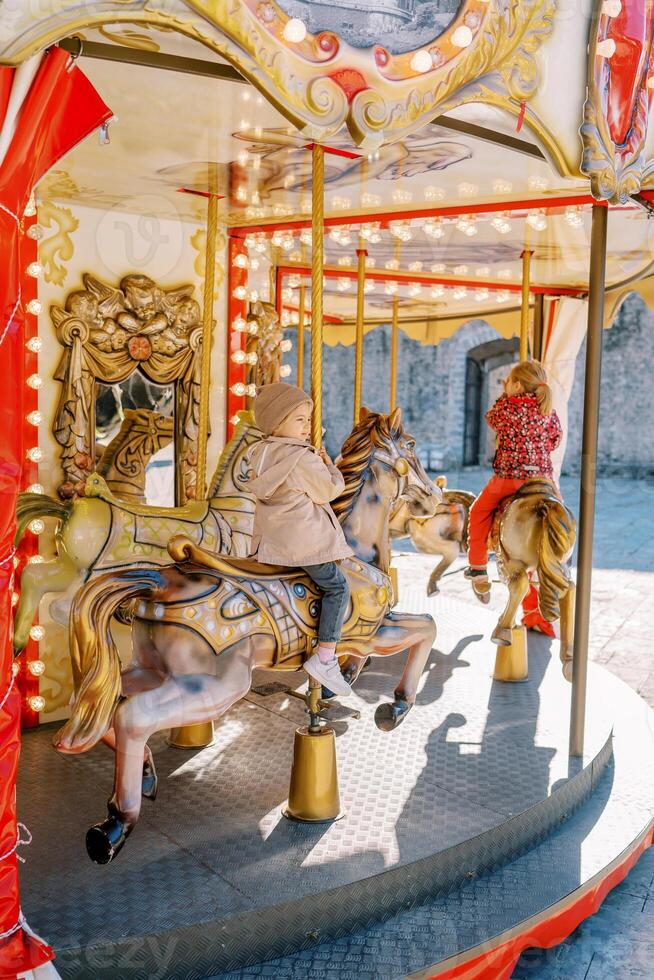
468 833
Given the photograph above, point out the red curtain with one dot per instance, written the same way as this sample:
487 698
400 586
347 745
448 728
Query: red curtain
60 109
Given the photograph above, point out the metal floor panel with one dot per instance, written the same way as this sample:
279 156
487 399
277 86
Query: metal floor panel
465 783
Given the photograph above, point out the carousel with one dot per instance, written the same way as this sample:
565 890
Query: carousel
198 199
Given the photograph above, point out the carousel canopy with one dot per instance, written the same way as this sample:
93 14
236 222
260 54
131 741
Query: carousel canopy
446 172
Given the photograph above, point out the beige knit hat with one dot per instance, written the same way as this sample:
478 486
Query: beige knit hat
274 402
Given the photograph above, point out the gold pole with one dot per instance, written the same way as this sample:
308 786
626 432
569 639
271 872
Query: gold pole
358 350
300 327
199 736
313 794
524 312
207 331
317 263
596 285
394 339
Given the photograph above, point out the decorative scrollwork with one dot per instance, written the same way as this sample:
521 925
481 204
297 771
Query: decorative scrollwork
108 333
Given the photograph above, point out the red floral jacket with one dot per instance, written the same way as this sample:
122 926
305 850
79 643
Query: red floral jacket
525 438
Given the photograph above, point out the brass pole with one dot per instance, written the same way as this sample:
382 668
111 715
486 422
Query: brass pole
317 262
358 350
596 282
537 347
207 331
300 326
524 311
394 339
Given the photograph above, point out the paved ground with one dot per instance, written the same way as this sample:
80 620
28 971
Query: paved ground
617 942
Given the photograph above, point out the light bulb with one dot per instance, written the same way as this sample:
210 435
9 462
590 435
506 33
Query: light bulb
36 667
390 288
253 295
238 357
36 233
36 526
252 357
36 703
34 344
437 291
433 228
34 418
30 208
502 295
573 217
35 454
238 389
611 8
15 668
460 270
34 269
369 287
421 61
414 289
34 488
37 633
35 381
462 36
35 306
537 220
240 292
460 292
605 48
343 285
481 295
15 599
239 325
287 294
35 560
285 371
501 223
235 420
286 346
251 390
295 30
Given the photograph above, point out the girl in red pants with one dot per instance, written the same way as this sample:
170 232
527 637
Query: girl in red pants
528 430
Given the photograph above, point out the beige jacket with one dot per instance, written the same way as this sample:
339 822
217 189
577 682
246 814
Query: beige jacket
293 522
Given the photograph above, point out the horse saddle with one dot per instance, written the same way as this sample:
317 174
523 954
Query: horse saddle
290 602
539 485
193 511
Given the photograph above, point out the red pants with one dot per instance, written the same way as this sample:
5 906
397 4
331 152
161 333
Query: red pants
481 517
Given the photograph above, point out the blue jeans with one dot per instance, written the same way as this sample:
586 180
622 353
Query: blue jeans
335 598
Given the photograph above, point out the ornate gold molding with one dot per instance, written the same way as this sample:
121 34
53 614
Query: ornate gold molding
58 245
616 111
109 332
322 83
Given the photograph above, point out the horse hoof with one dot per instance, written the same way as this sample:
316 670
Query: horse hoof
432 590
326 694
566 667
104 840
484 597
501 637
149 781
389 715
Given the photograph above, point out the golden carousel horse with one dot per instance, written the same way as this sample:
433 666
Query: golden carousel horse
445 533
100 531
202 625
534 532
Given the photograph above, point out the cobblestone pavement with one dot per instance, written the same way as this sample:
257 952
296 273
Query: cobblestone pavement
617 942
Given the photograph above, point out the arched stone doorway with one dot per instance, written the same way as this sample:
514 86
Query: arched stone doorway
484 373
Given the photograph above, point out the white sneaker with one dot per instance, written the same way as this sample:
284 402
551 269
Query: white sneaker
328 674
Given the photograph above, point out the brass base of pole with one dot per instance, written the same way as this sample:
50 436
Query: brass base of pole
191 736
511 661
313 796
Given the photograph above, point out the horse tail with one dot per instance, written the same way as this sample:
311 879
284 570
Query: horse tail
95 661
33 505
556 542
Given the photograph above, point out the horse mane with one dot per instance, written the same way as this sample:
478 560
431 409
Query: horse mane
244 435
371 432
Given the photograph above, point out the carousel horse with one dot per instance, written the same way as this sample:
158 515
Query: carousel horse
445 533
99 531
534 532
202 625
124 461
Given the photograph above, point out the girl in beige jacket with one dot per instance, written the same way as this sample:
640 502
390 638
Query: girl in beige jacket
294 525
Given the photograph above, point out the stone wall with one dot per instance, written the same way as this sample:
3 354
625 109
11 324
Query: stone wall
430 389
626 439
